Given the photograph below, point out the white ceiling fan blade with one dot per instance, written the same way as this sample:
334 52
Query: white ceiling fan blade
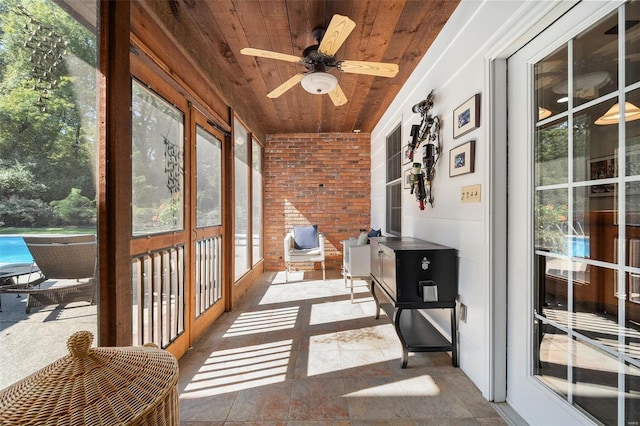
337 96
285 86
269 54
380 69
339 29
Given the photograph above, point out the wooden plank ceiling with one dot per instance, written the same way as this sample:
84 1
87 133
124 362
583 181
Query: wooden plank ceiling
396 31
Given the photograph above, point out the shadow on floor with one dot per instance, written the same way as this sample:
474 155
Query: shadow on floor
302 353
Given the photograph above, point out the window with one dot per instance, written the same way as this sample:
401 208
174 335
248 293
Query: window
256 202
394 182
587 219
209 179
241 184
157 163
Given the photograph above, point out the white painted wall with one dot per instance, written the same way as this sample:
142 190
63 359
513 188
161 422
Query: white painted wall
457 67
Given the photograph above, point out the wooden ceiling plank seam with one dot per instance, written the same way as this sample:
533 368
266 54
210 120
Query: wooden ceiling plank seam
337 116
355 90
412 24
212 32
177 29
259 32
426 35
336 7
427 32
302 16
280 35
387 15
251 70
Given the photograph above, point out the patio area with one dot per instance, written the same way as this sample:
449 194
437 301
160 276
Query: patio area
29 342
301 353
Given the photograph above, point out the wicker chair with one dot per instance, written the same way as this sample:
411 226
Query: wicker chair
70 257
303 244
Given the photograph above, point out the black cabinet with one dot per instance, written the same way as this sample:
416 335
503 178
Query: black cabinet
415 274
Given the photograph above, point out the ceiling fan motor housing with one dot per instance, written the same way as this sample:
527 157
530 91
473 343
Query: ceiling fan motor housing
316 61
317 80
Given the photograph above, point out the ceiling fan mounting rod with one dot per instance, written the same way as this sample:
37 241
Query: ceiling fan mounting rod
318 33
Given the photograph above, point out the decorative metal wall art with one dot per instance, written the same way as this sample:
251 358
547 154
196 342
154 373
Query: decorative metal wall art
423 173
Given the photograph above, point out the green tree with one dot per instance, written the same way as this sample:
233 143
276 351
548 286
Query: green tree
75 209
47 96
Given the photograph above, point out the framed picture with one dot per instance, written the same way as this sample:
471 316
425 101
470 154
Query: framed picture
461 159
602 168
407 179
467 116
406 154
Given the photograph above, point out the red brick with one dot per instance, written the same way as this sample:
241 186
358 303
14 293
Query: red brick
295 166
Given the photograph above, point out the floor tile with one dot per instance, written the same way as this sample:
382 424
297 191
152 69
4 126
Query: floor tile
318 399
302 354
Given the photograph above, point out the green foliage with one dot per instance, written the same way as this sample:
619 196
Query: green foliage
76 209
550 219
48 111
170 213
17 179
22 212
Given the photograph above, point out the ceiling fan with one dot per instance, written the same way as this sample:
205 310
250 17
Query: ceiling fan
320 57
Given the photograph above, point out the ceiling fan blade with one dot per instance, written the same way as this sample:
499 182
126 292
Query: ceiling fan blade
285 86
339 29
269 54
337 96
380 69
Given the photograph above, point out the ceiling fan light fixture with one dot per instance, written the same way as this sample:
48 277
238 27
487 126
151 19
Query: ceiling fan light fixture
319 83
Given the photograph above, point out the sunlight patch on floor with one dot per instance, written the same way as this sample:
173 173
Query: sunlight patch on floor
263 321
415 386
328 313
241 368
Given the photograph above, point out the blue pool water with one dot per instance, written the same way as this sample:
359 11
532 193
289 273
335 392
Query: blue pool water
13 250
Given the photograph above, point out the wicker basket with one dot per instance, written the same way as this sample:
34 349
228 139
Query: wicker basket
97 386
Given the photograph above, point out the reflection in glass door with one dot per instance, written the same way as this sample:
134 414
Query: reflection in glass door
587 219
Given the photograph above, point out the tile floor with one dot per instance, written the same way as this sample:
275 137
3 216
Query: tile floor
300 353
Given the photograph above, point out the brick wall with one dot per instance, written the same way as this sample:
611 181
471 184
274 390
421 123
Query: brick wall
321 179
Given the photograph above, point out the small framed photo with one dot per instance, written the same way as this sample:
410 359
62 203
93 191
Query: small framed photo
407 179
462 158
466 117
406 155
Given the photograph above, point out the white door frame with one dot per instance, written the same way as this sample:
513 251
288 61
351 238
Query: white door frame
527 395
531 19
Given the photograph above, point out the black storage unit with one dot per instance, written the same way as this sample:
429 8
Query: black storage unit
416 274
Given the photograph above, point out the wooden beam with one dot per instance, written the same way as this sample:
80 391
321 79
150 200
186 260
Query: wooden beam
114 192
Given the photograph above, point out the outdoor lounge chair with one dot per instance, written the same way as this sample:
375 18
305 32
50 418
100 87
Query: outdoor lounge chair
70 257
18 276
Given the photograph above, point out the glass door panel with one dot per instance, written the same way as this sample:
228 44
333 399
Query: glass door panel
256 204
208 250
241 163
157 163
157 207
586 317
